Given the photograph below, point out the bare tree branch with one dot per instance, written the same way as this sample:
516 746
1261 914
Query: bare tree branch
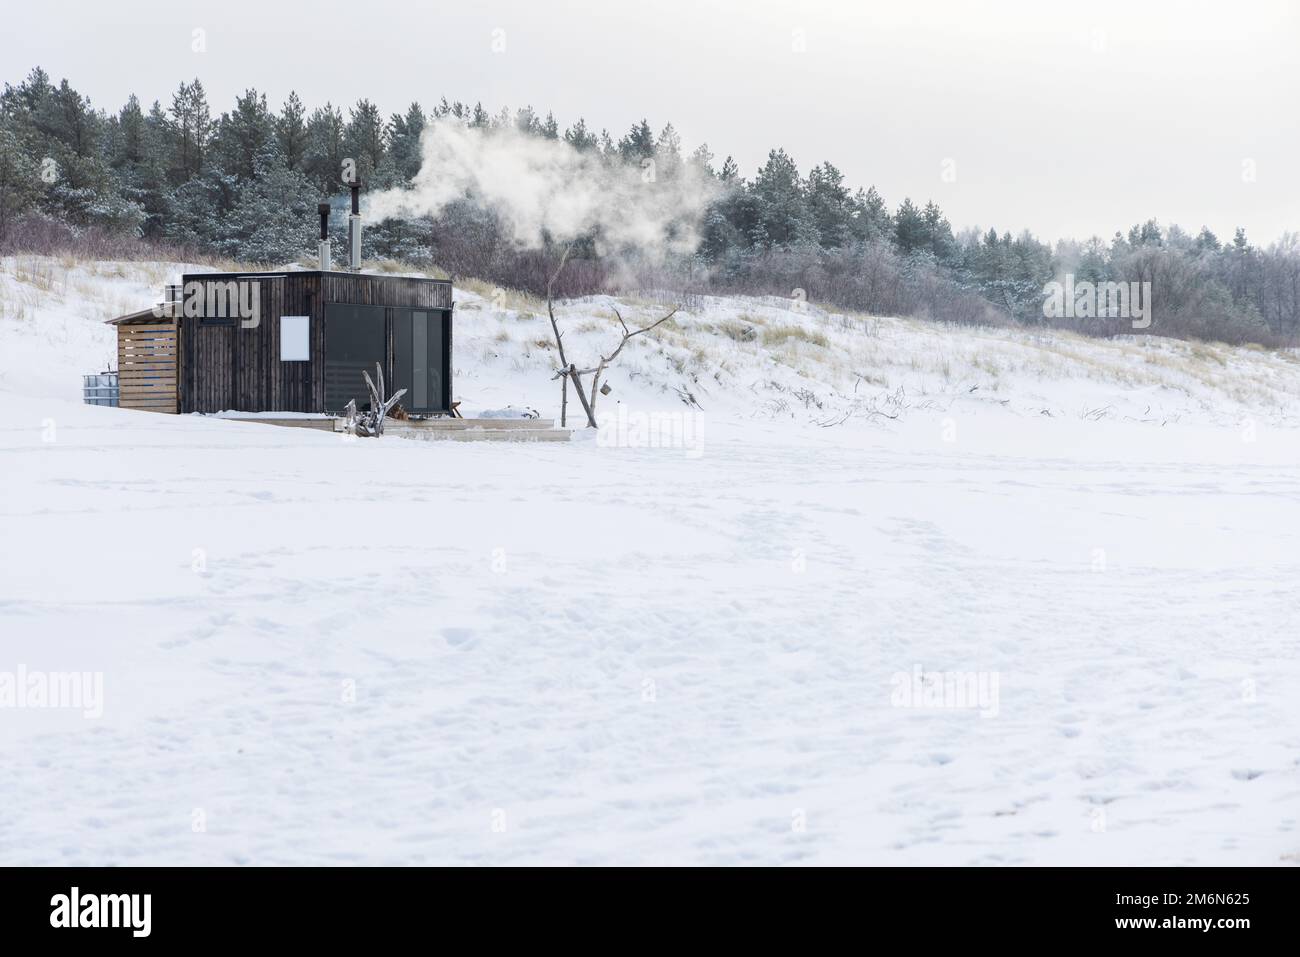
628 334
566 368
568 372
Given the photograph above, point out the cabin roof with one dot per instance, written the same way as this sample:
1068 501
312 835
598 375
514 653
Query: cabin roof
169 310
283 274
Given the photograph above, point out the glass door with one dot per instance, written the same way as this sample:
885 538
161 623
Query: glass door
418 359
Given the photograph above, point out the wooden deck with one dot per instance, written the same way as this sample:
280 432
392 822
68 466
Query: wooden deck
479 430
445 429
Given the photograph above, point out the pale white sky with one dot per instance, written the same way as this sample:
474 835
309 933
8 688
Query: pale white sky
1067 119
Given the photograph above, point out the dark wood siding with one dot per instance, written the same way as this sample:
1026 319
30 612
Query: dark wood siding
387 291
228 366
207 385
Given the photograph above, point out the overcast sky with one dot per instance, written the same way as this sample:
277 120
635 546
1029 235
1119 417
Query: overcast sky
1070 120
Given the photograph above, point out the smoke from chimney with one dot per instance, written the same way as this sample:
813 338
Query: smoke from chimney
548 190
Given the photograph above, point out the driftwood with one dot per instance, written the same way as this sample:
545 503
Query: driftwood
565 372
568 372
371 421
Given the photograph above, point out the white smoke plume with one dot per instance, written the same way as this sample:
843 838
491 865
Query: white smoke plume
542 187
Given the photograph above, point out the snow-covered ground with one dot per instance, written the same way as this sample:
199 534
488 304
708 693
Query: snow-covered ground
316 650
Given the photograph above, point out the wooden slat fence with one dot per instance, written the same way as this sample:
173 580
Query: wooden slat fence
146 366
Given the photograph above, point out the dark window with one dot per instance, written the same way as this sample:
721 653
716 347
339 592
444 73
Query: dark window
354 342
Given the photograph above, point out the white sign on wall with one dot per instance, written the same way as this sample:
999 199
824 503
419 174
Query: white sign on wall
295 338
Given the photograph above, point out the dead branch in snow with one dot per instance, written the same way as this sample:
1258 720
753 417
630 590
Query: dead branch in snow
565 372
568 371
371 422
628 335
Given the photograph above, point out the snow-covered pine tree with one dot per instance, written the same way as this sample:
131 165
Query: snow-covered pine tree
291 131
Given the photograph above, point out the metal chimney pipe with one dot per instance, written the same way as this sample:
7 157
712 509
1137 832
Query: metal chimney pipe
324 247
354 227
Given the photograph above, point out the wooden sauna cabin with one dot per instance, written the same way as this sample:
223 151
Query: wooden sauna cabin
288 342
